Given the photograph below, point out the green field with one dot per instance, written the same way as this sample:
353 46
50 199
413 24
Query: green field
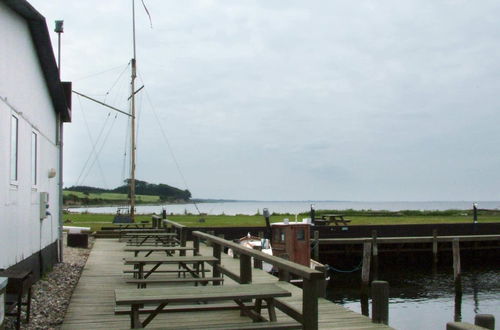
111 197
96 221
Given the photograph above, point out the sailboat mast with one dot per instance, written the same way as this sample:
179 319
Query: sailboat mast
132 125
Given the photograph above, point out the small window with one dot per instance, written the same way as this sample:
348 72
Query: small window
34 158
301 235
282 235
14 134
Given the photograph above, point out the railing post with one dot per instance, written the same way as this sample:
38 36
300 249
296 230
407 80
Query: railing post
283 275
257 263
210 232
245 269
216 250
310 304
196 245
322 284
380 302
183 234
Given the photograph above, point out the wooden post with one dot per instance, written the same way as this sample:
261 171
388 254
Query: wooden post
208 242
284 275
245 269
316 245
256 262
216 252
196 245
310 304
365 271
322 284
434 246
485 320
456 264
375 255
380 302
183 234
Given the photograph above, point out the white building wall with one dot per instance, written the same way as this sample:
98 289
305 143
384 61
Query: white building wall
23 93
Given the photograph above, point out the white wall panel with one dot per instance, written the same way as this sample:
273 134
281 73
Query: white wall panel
24 92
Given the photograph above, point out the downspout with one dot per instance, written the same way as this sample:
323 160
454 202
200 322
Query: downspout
59 29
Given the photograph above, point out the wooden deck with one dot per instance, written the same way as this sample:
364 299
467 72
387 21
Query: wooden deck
92 305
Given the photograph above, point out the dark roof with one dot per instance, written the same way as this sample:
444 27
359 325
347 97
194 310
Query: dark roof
41 40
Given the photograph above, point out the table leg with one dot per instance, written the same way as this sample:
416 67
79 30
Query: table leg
271 309
135 322
28 306
258 305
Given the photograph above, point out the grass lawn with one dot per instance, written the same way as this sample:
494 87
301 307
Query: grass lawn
96 221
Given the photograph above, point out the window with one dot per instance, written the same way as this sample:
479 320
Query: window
14 127
34 158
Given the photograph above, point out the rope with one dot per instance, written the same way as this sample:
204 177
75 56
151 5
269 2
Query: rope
168 144
358 267
96 159
84 169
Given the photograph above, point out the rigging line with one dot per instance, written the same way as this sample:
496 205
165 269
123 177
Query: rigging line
91 140
116 81
168 143
124 164
98 73
102 146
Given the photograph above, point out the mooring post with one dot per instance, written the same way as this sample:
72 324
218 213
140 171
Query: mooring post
380 302
456 264
365 271
375 254
485 320
434 247
316 245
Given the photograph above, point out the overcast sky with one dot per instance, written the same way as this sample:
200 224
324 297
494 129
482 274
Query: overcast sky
289 100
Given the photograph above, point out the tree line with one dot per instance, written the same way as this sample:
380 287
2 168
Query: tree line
164 191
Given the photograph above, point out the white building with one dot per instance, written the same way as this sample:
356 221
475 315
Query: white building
33 106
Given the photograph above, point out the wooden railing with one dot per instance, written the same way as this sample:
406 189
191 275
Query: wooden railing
313 280
181 231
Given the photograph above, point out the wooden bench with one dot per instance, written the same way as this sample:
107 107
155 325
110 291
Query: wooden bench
202 280
169 250
161 297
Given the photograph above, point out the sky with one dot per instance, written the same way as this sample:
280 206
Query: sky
288 100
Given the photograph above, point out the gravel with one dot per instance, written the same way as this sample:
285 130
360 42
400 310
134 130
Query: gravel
51 294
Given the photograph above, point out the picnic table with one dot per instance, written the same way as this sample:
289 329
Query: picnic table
141 238
161 297
197 271
327 219
169 250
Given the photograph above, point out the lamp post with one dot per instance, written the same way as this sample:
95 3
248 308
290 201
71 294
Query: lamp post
474 212
59 29
313 214
266 214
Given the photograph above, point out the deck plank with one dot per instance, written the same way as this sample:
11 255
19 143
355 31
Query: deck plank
92 304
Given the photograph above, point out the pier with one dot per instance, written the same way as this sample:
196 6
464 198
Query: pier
93 302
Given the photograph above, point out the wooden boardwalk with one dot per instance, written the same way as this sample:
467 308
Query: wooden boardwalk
92 304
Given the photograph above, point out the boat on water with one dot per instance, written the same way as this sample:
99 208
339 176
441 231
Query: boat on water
288 240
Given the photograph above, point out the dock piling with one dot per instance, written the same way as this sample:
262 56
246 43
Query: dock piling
485 320
380 302
365 271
